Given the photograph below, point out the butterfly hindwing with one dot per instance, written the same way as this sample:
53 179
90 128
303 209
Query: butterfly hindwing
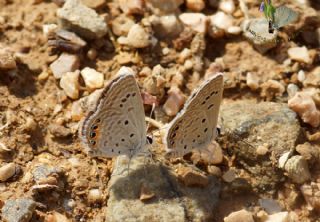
284 16
195 125
117 124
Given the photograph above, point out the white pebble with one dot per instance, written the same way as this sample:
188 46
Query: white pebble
7 171
221 20
94 196
304 105
234 30
184 54
196 21
297 169
278 217
283 159
92 78
174 102
137 37
69 82
188 64
227 6
262 150
48 29
165 51
292 89
299 54
237 216
252 81
301 76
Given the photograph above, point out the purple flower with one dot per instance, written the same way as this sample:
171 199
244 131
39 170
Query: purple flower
261 9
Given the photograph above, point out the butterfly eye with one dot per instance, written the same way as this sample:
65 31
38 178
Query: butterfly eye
149 140
218 131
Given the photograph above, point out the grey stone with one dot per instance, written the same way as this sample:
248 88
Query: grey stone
19 210
65 63
256 31
82 20
43 171
172 201
248 125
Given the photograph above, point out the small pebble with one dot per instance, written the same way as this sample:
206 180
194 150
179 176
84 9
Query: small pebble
165 6
95 196
227 6
145 193
59 131
313 78
4 148
283 159
132 7
192 178
303 104
278 217
167 26
212 154
299 54
234 30
262 150
241 215
137 37
196 21
272 88
214 170
221 21
301 76
65 63
7 171
292 89
297 169
229 176
174 102
311 193
69 82
252 81
188 64
18 210
195 5
92 78
7 60
49 29
57 217
92 54
121 25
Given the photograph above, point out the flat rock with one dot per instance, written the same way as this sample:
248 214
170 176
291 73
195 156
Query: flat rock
171 201
19 210
248 125
82 20
65 63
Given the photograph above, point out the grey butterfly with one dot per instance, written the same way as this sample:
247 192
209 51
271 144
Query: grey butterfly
194 127
117 124
283 16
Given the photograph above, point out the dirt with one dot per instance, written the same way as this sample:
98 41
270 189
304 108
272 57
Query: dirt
34 109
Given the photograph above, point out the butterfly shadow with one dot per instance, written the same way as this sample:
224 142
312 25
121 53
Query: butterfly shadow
164 187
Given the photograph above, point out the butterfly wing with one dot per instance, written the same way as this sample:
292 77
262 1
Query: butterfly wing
283 16
117 125
195 125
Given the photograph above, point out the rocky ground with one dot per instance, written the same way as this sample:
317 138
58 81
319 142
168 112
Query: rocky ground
55 56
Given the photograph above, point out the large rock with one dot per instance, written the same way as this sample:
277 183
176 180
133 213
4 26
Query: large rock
248 125
82 20
170 199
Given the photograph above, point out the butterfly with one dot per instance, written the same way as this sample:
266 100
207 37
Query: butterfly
194 127
277 17
117 125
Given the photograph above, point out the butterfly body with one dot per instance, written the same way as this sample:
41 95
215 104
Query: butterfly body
117 124
194 127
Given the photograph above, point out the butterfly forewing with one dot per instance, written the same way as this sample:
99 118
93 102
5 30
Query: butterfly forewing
117 125
195 126
284 16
